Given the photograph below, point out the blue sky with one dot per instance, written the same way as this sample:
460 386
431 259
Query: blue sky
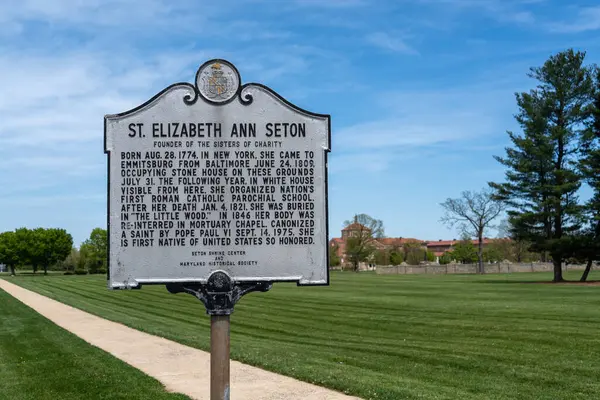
421 92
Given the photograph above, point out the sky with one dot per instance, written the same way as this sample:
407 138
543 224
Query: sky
420 93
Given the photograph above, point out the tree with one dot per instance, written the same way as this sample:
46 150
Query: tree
57 245
363 230
541 178
415 256
33 246
414 253
334 259
430 256
9 251
396 257
42 247
464 251
26 246
511 247
492 254
446 258
382 257
94 251
473 213
71 262
589 241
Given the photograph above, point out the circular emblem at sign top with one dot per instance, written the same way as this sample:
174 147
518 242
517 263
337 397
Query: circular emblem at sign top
218 81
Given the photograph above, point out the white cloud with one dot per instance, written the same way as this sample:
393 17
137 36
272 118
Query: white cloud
588 19
96 58
411 123
387 42
51 133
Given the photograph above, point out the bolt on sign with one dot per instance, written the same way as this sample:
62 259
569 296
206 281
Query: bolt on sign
217 176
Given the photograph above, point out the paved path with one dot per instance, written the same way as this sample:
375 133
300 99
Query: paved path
180 368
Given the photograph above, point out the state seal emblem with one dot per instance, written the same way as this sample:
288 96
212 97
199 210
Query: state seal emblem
218 81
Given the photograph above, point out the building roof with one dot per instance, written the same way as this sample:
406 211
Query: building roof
453 242
441 243
398 241
355 226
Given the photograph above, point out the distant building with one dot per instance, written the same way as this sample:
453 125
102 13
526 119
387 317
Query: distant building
436 247
441 246
355 229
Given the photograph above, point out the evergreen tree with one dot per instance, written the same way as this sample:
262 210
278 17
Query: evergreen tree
542 177
589 242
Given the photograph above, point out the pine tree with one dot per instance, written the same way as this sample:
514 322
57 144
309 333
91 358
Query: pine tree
542 178
589 242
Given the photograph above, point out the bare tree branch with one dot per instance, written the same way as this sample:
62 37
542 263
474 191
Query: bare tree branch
364 230
473 212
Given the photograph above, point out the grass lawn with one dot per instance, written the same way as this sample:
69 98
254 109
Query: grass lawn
39 361
387 337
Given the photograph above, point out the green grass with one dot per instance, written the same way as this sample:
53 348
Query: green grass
387 337
41 361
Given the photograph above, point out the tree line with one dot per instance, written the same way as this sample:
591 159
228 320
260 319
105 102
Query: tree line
360 247
52 249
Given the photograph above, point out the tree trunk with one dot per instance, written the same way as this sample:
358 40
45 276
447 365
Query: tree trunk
35 267
588 267
480 253
45 269
558 277
355 266
12 270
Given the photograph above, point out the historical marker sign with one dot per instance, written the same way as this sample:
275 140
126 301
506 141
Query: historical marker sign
217 176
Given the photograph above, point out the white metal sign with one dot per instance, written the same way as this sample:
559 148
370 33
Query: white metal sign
217 176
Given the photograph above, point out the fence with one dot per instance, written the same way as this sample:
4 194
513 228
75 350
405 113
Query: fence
472 268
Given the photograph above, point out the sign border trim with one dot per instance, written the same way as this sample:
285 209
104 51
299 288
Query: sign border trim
245 99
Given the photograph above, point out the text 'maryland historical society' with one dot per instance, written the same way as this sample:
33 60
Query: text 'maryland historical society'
217 176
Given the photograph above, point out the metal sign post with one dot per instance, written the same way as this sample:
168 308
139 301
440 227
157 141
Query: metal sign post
219 357
219 296
217 189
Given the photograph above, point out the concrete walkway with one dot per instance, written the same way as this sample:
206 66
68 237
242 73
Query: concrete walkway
179 368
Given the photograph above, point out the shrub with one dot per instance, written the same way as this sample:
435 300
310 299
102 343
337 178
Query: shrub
430 256
416 256
396 258
446 258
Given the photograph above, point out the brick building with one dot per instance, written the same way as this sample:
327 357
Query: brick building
356 229
436 247
441 246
